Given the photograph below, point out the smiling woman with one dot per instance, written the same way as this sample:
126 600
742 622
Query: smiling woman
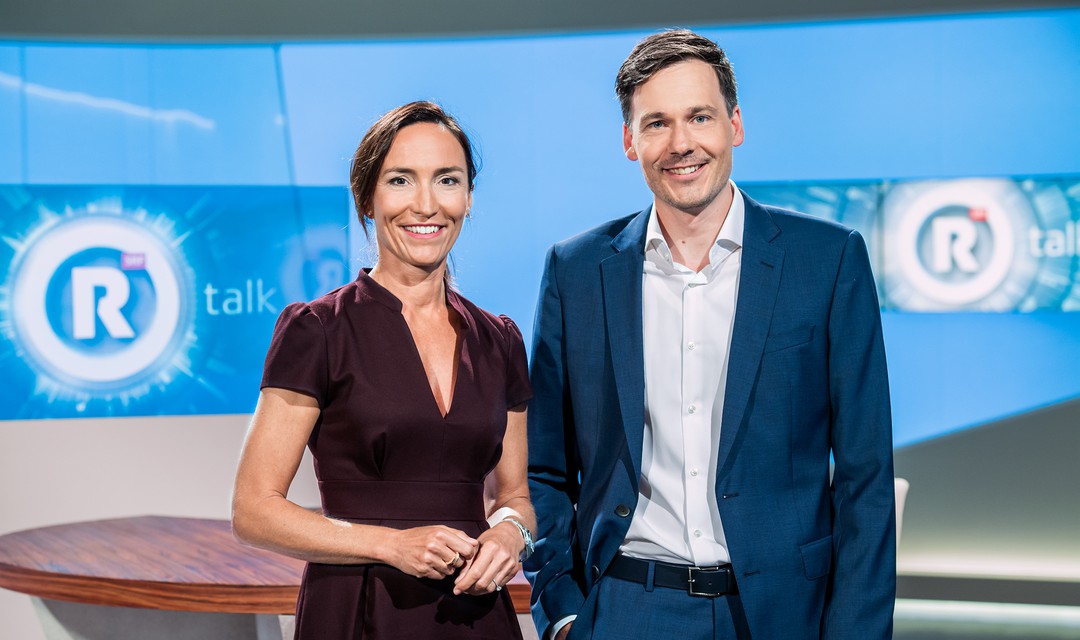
421 197
412 401
419 133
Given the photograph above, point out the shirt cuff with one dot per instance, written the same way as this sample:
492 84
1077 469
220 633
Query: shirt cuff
502 514
557 627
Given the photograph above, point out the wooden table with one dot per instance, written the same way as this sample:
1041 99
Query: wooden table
152 562
157 562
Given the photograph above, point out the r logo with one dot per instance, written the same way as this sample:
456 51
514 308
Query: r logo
85 282
100 304
955 244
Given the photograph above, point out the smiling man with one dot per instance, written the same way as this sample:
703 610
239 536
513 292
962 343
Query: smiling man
695 367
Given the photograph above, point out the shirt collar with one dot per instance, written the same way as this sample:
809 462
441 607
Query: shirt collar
727 241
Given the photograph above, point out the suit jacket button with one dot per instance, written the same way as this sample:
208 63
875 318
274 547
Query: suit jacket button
595 572
622 510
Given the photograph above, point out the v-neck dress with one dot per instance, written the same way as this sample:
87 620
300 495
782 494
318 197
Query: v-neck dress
385 455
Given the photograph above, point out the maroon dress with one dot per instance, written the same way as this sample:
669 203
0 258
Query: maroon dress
385 455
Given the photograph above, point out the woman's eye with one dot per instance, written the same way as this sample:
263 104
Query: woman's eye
397 181
449 181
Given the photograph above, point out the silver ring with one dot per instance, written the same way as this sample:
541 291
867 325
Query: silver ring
498 587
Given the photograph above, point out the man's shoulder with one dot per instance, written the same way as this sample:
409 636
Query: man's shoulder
797 227
596 239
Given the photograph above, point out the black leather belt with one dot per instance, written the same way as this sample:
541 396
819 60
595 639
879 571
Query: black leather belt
708 582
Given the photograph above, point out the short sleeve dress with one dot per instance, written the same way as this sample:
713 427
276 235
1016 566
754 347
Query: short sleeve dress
385 455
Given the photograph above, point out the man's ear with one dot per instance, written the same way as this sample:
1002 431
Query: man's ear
737 127
628 144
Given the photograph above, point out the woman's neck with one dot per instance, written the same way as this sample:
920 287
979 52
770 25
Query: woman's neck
417 289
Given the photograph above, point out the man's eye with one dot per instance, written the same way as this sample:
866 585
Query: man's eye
701 119
655 124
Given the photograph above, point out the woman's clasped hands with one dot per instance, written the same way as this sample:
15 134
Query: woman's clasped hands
483 564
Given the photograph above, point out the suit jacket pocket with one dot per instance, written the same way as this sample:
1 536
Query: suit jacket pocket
817 558
788 338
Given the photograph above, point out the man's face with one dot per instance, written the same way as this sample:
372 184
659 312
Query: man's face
682 135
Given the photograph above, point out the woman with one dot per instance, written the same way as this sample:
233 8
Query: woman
408 395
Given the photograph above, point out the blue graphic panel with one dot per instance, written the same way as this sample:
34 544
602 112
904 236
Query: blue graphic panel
237 131
160 300
974 244
954 371
154 115
933 97
89 116
549 170
11 153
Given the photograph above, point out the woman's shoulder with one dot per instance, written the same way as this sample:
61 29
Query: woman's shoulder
330 305
486 322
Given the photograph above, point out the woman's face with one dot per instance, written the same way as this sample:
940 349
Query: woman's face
421 198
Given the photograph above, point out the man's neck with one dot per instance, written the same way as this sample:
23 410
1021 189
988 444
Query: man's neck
690 236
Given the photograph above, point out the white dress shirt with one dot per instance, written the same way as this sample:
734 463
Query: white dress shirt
687 318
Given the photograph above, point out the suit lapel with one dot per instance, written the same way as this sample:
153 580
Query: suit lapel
621 275
759 282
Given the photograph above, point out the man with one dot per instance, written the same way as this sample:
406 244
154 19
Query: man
694 367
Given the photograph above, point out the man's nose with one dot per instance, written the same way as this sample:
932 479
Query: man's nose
682 142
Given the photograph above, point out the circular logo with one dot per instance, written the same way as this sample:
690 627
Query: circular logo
956 245
99 301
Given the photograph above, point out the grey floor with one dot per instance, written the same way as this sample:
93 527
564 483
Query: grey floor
934 620
921 620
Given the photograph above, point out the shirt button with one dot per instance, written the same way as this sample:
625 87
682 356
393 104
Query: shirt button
622 510
691 409
693 472
697 533
691 346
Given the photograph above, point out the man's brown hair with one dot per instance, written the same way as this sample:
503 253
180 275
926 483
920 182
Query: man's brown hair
664 49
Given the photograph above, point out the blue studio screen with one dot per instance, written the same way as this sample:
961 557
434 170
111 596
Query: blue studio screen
159 205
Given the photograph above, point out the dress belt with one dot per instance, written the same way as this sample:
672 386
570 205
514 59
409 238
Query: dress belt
708 582
396 500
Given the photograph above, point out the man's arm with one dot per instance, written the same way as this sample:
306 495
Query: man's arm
863 581
553 466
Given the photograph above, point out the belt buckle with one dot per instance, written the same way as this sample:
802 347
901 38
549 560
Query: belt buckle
690 581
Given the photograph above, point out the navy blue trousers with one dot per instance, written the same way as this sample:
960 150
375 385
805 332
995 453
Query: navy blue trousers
625 610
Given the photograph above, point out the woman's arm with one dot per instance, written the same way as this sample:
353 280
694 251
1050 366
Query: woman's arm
497 561
262 515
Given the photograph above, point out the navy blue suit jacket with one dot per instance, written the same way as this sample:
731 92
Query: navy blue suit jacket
814 558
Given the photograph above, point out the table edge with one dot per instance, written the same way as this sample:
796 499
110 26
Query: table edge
139 594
